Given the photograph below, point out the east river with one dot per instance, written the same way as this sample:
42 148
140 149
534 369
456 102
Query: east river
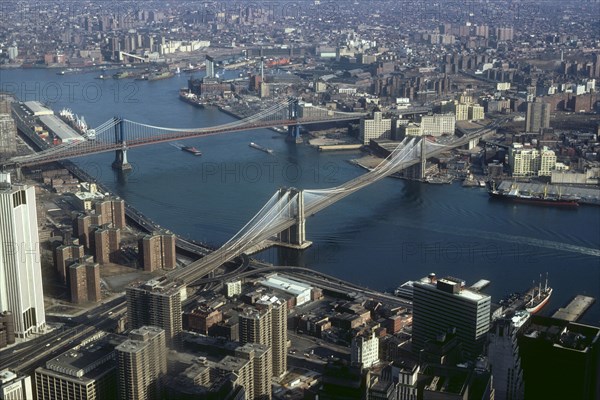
379 237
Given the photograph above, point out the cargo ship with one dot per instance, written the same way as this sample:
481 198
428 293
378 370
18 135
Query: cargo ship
537 297
261 148
190 98
544 199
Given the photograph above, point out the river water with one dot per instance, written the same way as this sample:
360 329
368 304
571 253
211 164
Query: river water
387 233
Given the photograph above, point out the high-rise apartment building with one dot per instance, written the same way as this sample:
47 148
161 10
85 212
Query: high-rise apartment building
252 368
267 324
157 303
84 282
64 256
142 364
21 289
255 325
158 251
375 128
107 244
504 34
537 117
443 305
523 160
112 211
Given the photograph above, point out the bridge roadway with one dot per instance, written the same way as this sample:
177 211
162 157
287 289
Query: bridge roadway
26 356
96 146
229 251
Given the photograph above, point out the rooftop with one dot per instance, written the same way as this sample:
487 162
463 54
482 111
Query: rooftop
60 129
37 108
453 286
7 376
287 285
79 362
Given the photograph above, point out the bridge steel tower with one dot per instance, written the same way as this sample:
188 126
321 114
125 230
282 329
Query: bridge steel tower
120 162
294 236
294 130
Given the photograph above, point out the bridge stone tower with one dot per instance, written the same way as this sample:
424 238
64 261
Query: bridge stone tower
294 130
120 162
295 236
417 171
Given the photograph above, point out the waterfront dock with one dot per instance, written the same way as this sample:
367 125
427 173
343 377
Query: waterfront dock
575 309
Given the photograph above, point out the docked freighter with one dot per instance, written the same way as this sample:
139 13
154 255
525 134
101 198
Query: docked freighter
190 98
544 199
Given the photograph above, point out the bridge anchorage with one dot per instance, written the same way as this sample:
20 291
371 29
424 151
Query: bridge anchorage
294 236
120 162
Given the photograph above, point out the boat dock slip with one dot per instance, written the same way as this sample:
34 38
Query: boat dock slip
575 309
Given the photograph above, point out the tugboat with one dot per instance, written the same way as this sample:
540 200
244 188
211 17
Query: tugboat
538 297
189 149
261 148
192 149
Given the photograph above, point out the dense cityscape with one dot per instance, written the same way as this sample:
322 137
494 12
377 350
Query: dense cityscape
180 275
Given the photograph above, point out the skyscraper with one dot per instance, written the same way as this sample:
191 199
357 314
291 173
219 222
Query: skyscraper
503 355
20 271
442 305
560 359
158 303
142 364
210 67
8 129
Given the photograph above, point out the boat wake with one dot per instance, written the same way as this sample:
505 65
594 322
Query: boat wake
523 240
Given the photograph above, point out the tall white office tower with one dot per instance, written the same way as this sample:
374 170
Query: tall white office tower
20 269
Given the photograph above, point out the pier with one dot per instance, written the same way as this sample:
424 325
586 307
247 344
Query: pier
575 309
